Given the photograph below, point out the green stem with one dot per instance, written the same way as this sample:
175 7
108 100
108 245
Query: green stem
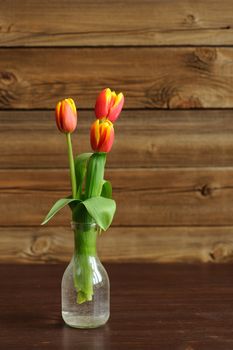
85 251
72 168
95 175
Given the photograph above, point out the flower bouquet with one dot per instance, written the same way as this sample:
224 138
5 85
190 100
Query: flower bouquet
91 201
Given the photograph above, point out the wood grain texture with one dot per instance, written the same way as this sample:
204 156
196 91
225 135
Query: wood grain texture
29 139
171 165
149 77
101 23
145 197
120 244
178 307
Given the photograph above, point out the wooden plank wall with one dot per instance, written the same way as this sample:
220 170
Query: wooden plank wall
172 163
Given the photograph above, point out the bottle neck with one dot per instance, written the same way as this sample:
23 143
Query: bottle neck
85 240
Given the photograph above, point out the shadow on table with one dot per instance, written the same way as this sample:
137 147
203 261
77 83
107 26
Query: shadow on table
90 339
36 329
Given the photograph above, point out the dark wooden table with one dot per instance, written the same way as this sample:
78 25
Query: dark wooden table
185 307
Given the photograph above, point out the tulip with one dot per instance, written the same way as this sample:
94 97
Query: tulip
66 119
109 105
102 135
66 115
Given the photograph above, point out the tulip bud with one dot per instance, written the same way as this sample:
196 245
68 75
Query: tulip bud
66 115
102 135
109 105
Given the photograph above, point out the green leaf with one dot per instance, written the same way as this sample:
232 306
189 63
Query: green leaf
61 203
106 189
101 210
95 175
80 170
80 214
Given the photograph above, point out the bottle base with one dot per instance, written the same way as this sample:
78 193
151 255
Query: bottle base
74 321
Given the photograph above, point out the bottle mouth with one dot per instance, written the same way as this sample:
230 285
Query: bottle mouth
76 225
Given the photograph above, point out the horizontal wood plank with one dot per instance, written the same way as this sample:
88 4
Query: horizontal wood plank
100 23
149 77
145 197
29 139
120 244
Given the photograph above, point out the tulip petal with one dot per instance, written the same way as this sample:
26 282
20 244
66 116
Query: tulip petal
107 137
103 103
57 113
116 108
72 104
113 100
94 135
68 119
107 145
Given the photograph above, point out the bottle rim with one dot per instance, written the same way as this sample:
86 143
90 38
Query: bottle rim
75 224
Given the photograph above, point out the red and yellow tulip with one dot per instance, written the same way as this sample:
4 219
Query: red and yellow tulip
66 115
109 105
102 135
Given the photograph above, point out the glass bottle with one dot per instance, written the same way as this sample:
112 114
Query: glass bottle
85 284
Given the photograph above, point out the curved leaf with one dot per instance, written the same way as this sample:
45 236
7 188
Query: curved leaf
106 189
80 213
95 174
101 210
61 203
80 170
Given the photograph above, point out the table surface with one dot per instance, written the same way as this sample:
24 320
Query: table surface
184 307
